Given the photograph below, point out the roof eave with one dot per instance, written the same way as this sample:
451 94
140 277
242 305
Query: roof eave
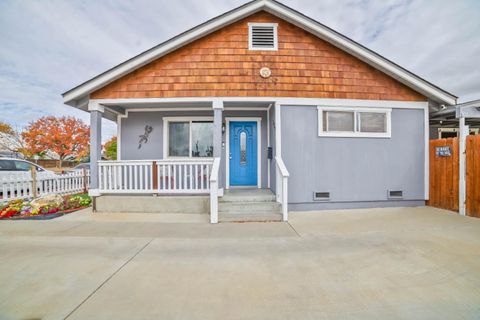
366 55
163 49
400 74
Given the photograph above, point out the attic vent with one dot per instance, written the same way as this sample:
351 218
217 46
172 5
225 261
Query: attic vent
263 36
397 194
321 196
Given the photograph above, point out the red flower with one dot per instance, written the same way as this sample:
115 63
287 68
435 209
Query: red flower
8 214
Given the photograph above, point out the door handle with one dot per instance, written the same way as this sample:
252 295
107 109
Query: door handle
230 156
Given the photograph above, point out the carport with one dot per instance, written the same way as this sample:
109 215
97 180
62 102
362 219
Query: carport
463 116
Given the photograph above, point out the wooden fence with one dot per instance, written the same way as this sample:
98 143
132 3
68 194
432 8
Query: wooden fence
473 176
444 174
22 185
51 163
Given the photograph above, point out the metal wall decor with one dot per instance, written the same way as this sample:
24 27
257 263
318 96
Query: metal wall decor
265 72
144 137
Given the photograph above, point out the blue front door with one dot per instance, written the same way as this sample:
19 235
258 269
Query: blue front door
243 153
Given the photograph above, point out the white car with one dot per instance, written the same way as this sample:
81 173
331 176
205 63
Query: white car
10 166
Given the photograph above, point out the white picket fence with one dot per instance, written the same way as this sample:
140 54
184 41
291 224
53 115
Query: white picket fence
20 185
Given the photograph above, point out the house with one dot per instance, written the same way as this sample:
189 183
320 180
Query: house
263 110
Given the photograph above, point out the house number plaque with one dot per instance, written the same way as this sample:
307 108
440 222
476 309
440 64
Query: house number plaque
444 151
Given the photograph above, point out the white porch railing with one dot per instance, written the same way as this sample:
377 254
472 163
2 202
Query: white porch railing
156 176
214 191
282 186
21 185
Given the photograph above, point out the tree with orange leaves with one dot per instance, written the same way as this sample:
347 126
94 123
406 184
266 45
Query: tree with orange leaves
6 128
66 137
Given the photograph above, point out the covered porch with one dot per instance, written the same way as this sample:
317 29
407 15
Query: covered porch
184 147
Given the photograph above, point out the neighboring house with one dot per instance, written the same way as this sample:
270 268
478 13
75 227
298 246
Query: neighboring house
270 99
10 154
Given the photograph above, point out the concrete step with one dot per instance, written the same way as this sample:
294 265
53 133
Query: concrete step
249 207
249 217
248 195
151 204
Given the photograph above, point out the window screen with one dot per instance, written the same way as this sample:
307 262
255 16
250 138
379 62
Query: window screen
178 139
362 122
339 121
373 122
202 139
190 139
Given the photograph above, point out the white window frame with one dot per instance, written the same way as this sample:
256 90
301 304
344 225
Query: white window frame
261 24
166 121
356 133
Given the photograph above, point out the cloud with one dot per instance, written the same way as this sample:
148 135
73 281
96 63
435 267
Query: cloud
51 46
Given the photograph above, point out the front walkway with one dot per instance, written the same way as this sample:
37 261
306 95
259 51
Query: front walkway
411 263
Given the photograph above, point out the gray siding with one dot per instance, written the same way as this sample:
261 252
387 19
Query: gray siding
134 125
357 172
273 170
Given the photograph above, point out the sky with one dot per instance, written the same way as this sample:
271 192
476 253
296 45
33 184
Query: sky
49 46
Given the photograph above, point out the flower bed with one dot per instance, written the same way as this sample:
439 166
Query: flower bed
43 208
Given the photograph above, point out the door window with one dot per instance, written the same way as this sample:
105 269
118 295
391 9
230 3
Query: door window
243 148
7 165
23 166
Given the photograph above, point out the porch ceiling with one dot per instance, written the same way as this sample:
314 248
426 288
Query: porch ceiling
447 117
122 108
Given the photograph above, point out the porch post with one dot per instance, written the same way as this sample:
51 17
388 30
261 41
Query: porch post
96 111
278 130
462 166
217 106
278 151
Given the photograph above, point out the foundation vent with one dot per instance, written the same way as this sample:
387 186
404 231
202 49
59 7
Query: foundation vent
395 194
321 196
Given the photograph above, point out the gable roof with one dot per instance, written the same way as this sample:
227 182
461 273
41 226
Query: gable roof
79 95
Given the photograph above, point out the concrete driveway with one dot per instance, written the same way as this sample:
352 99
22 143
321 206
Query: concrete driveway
399 263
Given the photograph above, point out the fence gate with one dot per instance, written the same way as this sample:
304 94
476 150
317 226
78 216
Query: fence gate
444 174
473 176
